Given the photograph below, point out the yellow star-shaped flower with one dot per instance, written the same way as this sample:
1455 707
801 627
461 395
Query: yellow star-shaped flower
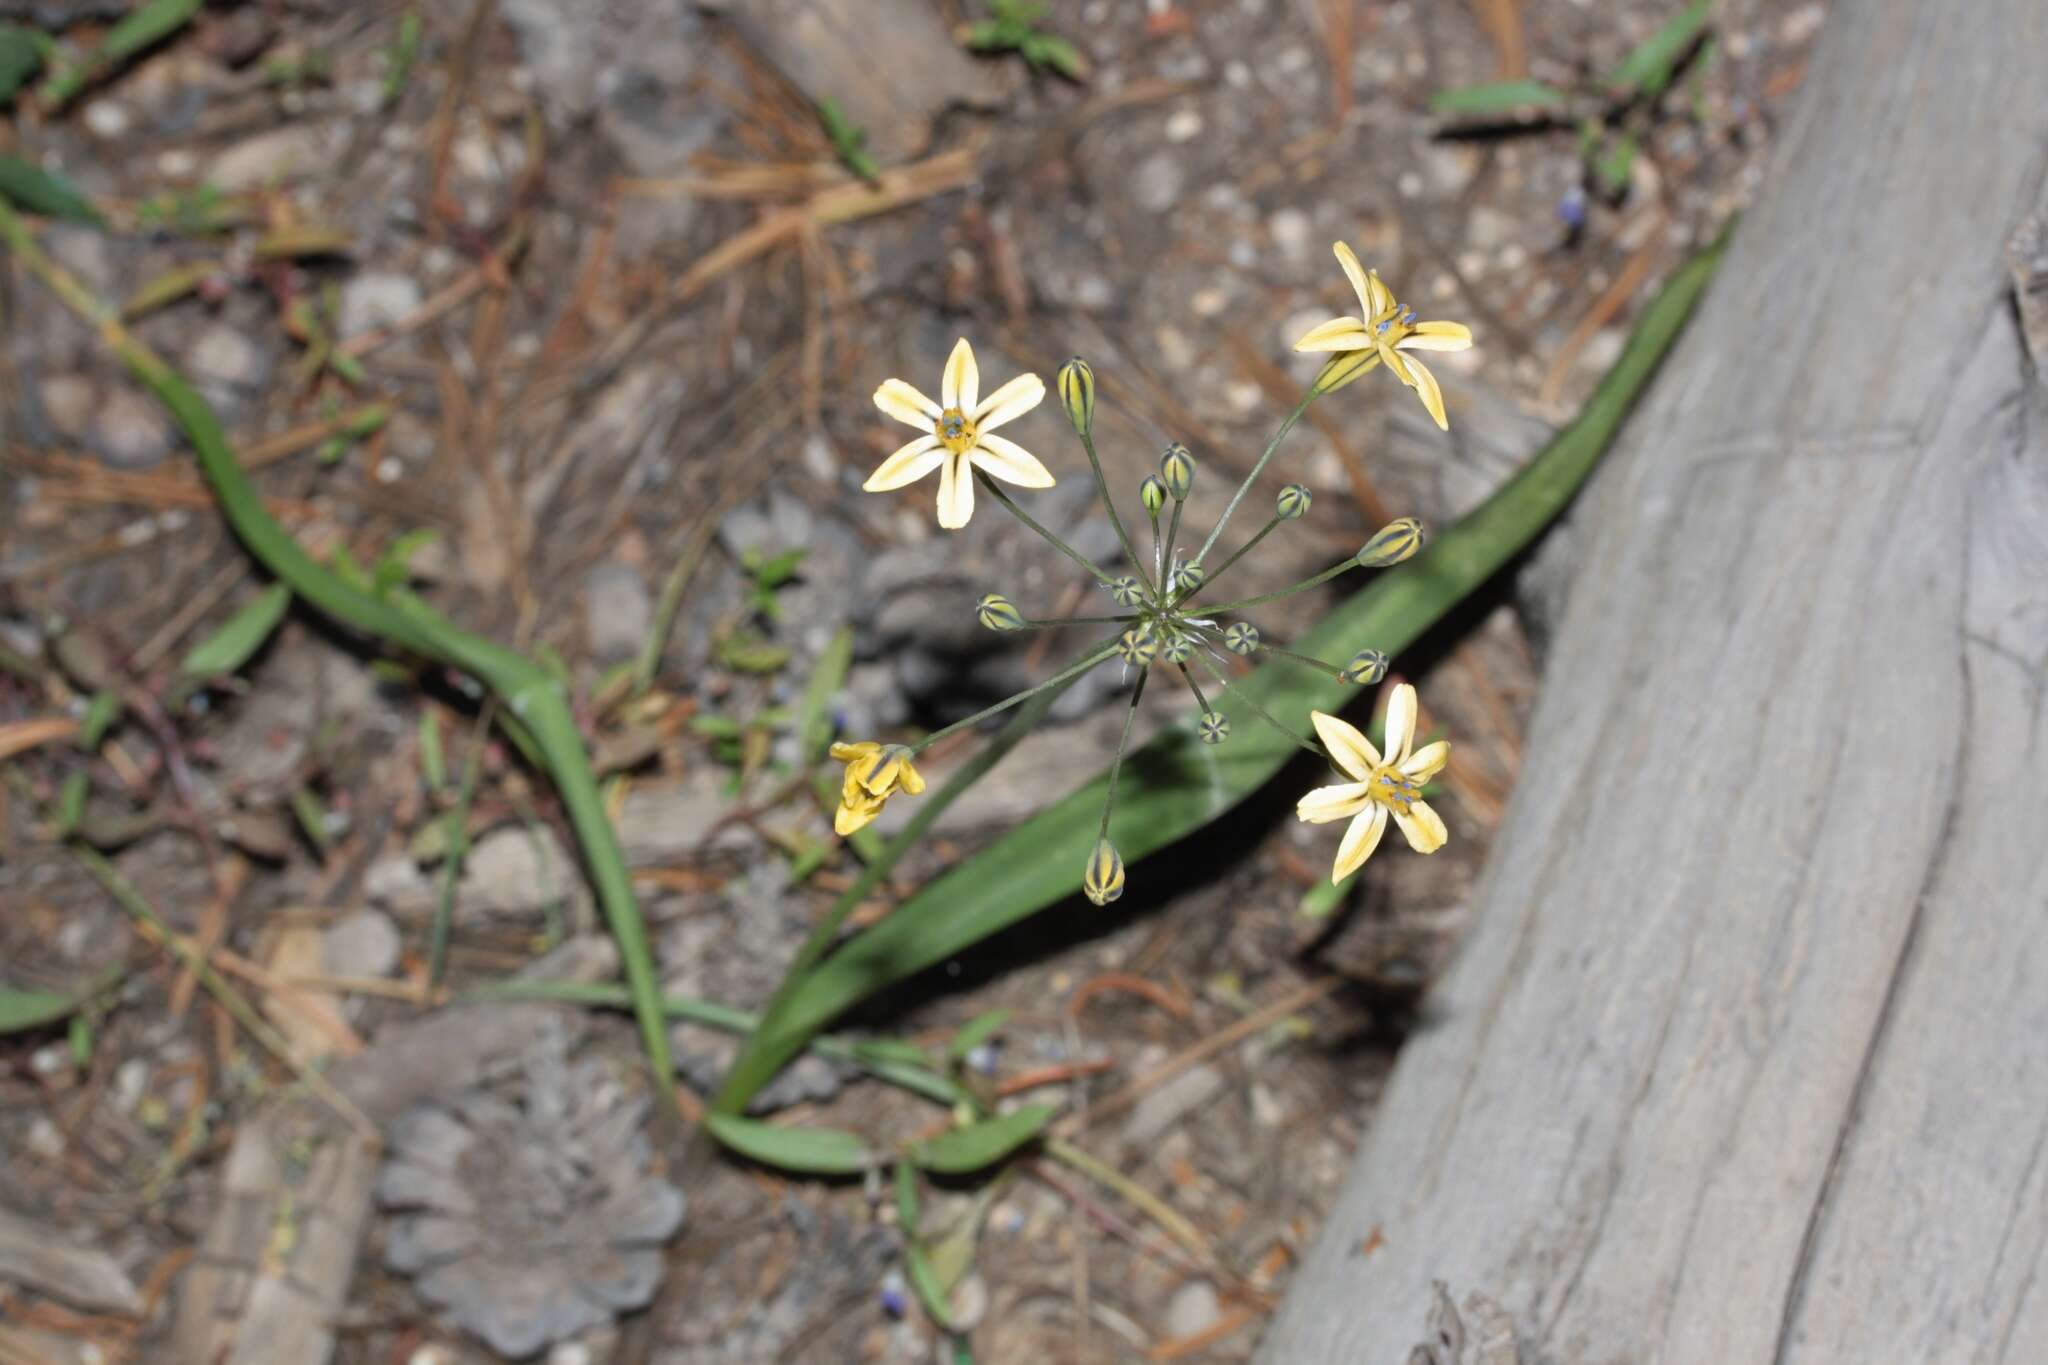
874 773
1388 329
1380 787
960 436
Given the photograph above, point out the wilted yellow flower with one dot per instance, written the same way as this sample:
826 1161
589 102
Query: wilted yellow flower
1387 329
959 436
1380 787
874 773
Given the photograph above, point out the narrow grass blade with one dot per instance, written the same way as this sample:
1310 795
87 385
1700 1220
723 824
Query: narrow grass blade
238 639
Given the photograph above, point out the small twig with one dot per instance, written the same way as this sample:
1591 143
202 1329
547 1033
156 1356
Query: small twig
1208 1047
231 1000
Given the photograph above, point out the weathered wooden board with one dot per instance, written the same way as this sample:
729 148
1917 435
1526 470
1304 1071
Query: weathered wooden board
1747 1057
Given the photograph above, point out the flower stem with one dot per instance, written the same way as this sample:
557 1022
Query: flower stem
1232 689
1236 555
1123 742
1123 537
1257 469
1303 586
1067 674
1194 687
993 490
1055 622
1166 550
1309 659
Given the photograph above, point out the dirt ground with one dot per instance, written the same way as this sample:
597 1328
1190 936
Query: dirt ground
622 311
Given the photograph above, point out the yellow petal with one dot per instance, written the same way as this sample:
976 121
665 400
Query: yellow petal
846 753
1371 293
909 464
1338 334
906 404
1010 462
1427 761
1437 336
878 774
1401 710
912 781
1361 837
956 493
1423 827
1010 402
960 386
1352 751
850 818
1338 802
1432 396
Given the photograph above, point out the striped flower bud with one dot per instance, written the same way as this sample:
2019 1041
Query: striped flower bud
1241 638
1153 494
1177 648
997 612
1344 367
1214 727
1186 578
1367 666
1138 646
1293 502
1391 544
1077 394
1104 880
1126 590
1177 468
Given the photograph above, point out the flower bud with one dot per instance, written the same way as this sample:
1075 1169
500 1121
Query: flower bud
1214 727
1344 367
1077 394
1153 494
1126 590
1177 468
996 612
1104 880
1391 544
1241 637
1186 578
1177 648
1138 646
1367 666
1293 502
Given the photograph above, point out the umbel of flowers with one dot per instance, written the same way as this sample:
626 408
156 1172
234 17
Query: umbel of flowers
1158 622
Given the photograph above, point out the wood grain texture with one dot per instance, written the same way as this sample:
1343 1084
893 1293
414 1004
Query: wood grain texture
1747 1056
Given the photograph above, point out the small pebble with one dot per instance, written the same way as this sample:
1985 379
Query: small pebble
1183 125
106 119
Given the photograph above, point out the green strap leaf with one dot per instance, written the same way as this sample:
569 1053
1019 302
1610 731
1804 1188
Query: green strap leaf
23 1010
237 641
982 1144
975 1032
45 192
1497 97
1648 69
21 56
814 1151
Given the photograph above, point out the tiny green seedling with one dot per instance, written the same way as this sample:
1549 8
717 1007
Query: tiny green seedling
1613 113
848 142
1013 26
